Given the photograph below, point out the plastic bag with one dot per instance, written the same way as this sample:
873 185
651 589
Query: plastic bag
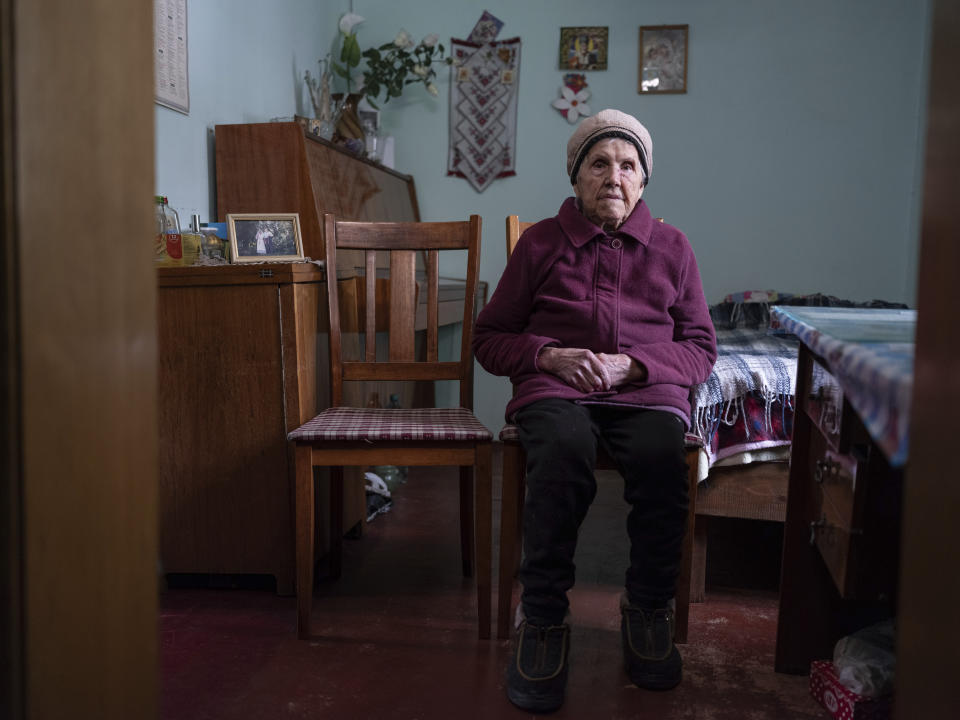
865 661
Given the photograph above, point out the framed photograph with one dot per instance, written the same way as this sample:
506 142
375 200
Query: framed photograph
583 48
663 59
265 238
368 115
369 118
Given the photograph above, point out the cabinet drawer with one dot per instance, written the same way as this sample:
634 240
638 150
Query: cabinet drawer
837 531
824 403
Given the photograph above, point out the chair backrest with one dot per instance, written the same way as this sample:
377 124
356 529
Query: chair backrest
515 229
399 300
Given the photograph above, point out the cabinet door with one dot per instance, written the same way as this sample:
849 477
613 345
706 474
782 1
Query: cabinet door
224 488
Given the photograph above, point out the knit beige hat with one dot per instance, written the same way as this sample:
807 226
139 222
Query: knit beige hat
608 123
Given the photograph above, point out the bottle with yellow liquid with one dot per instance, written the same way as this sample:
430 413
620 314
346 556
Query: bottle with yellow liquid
192 240
173 246
168 249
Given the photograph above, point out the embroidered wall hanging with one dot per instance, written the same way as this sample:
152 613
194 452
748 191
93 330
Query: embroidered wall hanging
483 110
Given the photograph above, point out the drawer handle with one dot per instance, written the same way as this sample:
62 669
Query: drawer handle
822 523
813 529
822 469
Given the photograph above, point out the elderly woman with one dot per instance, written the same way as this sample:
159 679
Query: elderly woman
600 322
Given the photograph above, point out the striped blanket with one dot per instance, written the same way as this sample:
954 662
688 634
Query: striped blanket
745 402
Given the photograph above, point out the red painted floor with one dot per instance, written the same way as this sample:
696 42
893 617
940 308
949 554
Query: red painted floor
396 636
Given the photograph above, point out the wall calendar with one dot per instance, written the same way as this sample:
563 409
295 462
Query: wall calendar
171 78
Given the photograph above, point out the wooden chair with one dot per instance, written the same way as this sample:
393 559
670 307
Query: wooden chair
514 490
349 436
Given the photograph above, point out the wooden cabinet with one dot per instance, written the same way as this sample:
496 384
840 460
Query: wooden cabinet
855 510
239 368
842 531
276 168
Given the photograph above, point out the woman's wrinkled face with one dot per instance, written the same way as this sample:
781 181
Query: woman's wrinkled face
610 182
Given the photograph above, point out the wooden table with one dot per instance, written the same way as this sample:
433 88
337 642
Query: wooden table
842 531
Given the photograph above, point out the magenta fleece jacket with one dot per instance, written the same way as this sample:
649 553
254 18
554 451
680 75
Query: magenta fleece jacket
570 284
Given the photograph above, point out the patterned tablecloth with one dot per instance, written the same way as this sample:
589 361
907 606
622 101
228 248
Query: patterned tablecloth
870 352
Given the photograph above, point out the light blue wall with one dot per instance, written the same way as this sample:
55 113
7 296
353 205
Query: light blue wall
247 59
792 163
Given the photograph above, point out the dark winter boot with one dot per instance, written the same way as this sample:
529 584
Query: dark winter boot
649 655
537 674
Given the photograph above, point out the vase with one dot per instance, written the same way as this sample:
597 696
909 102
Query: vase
348 123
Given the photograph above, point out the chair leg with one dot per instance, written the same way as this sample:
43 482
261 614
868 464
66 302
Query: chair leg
336 521
303 465
698 573
483 508
686 558
510 521
521 500
466 519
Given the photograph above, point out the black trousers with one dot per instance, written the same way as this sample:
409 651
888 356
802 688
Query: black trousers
561 439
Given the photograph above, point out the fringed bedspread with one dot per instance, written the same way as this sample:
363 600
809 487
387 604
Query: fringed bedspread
747 402
744 411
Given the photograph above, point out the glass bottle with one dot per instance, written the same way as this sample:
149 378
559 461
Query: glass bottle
169 249
374 148
191 242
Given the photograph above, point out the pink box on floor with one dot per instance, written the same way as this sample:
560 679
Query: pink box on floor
842 703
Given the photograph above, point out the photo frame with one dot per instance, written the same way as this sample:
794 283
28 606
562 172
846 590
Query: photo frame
256 237
486 29
583 48
369 118
663 59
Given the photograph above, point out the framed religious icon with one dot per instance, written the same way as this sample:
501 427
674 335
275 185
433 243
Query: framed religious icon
265 238
583 48
663 59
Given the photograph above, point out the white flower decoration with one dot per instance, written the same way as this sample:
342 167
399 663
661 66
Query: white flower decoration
419 71
574 103
430 40
432 89
349 21
403 40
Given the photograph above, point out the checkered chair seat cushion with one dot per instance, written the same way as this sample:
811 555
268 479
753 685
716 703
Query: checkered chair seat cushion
509 433
343 423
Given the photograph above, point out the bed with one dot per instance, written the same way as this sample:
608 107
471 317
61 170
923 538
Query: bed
743 413
742 419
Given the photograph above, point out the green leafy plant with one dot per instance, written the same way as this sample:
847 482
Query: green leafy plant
393 66
390 67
